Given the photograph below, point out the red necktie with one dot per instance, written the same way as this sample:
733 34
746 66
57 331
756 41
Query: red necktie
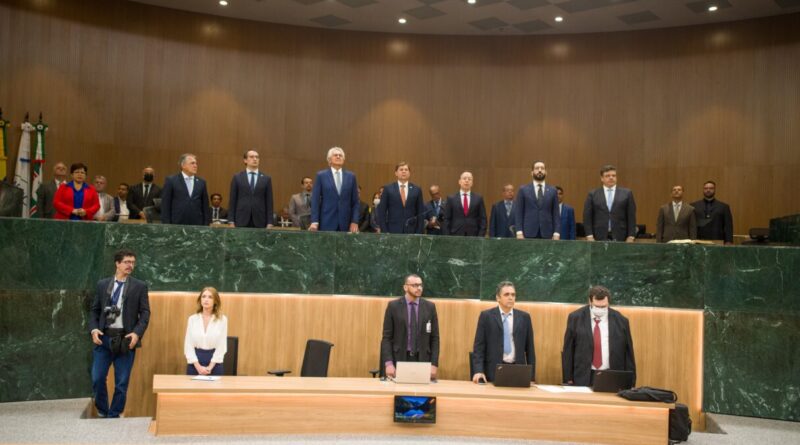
466 205
597 358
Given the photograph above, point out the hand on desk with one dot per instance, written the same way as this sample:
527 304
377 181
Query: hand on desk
479 377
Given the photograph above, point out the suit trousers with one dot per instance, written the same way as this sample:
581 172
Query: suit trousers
102 359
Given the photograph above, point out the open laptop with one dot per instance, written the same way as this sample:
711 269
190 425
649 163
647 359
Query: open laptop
413 372
609 380
514 376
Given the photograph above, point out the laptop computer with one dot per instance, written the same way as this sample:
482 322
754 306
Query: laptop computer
413 372
514 376
609 380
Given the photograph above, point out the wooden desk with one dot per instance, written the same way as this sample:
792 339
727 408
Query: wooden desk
337 405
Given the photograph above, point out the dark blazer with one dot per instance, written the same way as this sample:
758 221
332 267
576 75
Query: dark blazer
366 221
455 223
223 213
245 203
137 201
667 229
487 351
567 222
499 223
578 351
430 212
394 342
135 306
393 217
719 223
623 214
177 207
11 198
331 210
535 219
44 199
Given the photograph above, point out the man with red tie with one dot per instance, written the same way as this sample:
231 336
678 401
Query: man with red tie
597 338
464 212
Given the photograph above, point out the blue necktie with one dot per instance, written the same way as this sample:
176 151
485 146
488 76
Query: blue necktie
117 292
338 180
190 184
252 181
506 334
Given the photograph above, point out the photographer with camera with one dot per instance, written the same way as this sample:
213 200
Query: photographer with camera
118 318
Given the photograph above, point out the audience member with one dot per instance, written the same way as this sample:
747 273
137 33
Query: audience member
334 197
300 204
610 211
217 211
47 191
106 212
676 220
714 218
537 207
567 215
143 194
184 198
464 212
434 211
76 200
402 205
501 223
251 203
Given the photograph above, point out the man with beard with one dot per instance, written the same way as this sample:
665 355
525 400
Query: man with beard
714 219
537 207
141 195
121 211
300 204
676 221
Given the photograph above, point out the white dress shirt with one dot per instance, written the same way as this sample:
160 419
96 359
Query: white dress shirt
118 322
197 336
603 339
124 213
461 198
510 357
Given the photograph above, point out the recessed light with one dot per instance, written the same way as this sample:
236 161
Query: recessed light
472 2
712 8
402 20
223 2
559 19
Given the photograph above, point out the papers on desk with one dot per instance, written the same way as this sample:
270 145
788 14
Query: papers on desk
206 378
565 389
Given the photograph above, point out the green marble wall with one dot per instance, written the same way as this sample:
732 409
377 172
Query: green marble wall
785 229
750 294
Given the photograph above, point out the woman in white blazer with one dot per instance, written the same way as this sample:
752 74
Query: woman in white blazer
206 335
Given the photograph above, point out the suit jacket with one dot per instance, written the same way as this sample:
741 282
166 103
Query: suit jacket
394 217
64 201
667 229
137 200
366 221
246 203
299 210
537 219
455 223
430 211
44 199
11 198
177 207
622 215
394 343
135 306
487 350
717 224
578 351
223 213
106 207
499 223
567 222
335 211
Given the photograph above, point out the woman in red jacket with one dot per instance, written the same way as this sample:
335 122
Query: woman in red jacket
76 199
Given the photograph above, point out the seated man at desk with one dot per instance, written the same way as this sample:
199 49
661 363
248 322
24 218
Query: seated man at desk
597 338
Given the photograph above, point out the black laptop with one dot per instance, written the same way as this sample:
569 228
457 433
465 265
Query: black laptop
514 376
609 380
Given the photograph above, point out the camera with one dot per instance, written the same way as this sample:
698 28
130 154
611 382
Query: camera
111 313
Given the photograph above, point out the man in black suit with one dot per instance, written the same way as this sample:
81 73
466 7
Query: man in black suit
502 221
217 211
251 195
47 191
118 319
141 195
537 207
504 335
410 329
609 213
464 212
714 218
597 338
184 199
434 211
402 206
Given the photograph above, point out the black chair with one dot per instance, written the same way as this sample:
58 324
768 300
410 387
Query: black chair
315 360
231 357
757 236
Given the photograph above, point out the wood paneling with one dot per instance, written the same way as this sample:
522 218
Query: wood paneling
124 85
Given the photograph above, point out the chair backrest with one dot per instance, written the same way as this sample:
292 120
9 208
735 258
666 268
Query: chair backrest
580 231
231 362
471 367
315 360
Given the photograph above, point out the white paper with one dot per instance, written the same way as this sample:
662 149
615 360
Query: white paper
206 378
565 389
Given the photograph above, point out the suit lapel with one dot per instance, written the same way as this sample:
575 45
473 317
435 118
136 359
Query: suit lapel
498 318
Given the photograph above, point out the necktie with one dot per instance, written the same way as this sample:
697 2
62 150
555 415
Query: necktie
216 213
466 205
597 357
146 190
403 194
506 334
252 181
305 198
412 345
677 211
609 202
117 292
508 208
539 194
190 184
338 179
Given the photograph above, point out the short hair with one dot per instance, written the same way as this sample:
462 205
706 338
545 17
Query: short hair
560 189
78 166
607 168
125 184
536 162
400 164
182 160
599 293
100 177
244 156
503 284
304 179
215 194
508 185
411 275
710 182
334 150
122 253
217 301
466 171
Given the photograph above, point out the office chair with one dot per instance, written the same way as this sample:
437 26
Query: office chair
315 360
231 363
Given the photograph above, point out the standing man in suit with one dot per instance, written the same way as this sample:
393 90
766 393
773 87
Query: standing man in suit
106 212
597 338
503 211
217 211
121 211
714 218
676 220
537 207
118 319
141 195
504 335
609 213
434 210
567 216
251 195
402 206
184 199
300 204
47 191
410 329
464 212
335 204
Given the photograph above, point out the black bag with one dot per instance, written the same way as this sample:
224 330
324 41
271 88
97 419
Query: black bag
648 394
680 424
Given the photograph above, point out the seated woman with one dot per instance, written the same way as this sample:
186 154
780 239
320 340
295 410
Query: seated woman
206 336
76 200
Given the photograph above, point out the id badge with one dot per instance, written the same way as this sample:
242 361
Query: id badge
428 327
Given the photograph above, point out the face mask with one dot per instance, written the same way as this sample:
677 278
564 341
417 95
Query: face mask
376 201
599 312
148 177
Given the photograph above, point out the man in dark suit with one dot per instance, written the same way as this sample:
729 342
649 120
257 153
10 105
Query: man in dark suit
143 194
335 204
567 216
402 206
120 203
597 338
504 335
714 218
537 207
251 195
118 319
184 199
609 213
410 329
434 211
503 211
47 191
464 212
676 221
217 211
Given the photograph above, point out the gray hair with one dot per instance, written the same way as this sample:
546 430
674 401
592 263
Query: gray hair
503 284
334 150
183 158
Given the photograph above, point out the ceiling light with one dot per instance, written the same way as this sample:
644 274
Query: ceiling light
223 2
559 19
712 8
472 2
402 20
